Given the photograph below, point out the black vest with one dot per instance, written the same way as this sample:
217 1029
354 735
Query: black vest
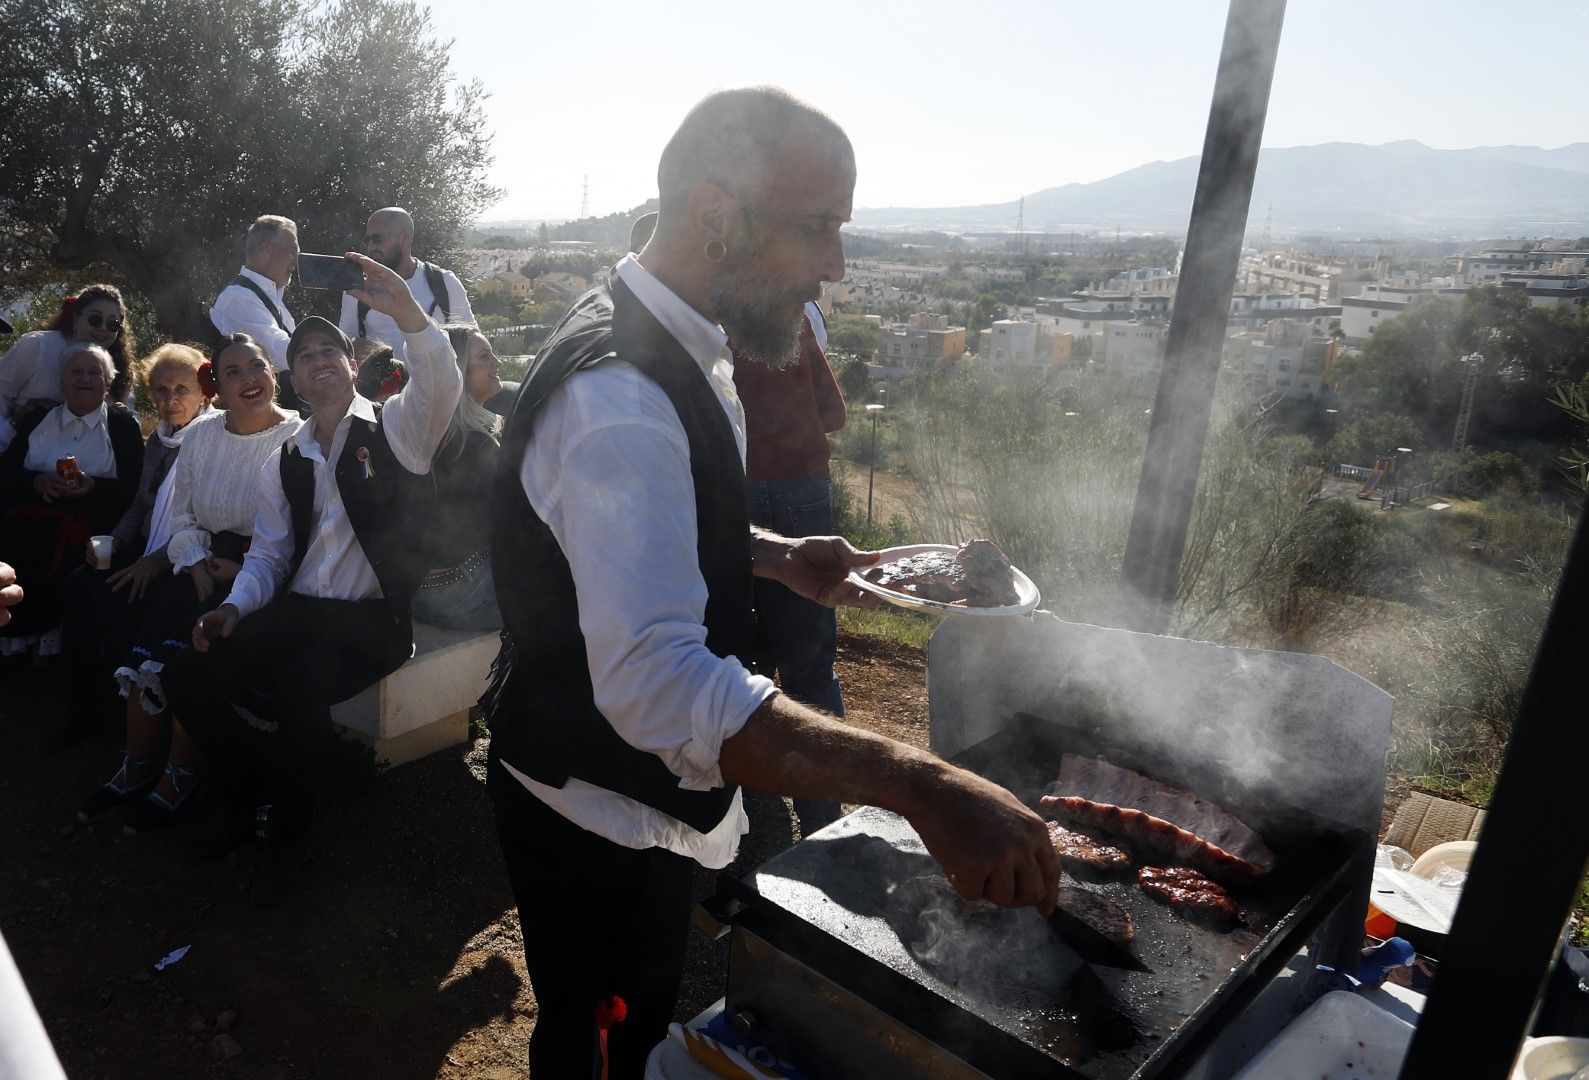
386 504
540 704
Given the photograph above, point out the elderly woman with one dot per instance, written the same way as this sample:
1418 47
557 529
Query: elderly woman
213 499
53 506
30 371
102 606
459 593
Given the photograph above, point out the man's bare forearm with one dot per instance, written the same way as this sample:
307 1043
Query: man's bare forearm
989 845
787 748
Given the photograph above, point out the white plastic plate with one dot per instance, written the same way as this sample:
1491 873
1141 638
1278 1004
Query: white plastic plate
1024 588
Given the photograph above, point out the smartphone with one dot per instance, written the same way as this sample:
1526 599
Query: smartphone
329 272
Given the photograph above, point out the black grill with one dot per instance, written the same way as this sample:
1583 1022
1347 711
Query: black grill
1009 998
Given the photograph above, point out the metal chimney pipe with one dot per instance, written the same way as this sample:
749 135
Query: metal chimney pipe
1179 427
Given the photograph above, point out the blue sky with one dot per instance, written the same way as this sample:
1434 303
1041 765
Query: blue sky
959 103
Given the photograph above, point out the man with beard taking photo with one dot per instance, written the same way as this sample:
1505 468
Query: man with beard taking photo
389 240
624 717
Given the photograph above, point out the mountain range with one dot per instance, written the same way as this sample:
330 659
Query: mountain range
1398 188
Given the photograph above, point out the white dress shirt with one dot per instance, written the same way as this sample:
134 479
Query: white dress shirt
31 368
335 566
608 470
378 327
62 432
238 311
819 324
217 484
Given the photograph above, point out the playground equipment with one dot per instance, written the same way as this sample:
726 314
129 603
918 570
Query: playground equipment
1376 476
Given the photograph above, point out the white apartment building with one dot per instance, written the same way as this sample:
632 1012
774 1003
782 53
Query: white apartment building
1133 350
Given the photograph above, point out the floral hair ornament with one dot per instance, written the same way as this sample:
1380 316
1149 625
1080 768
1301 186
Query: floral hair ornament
363 455
67 306
206 375
393 383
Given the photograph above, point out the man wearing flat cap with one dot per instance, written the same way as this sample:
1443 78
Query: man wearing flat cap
320 609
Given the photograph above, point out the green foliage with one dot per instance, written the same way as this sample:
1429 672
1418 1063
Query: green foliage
1369 438
1470 474
853 335
1414 366
541 314
889 623
142 136
855 382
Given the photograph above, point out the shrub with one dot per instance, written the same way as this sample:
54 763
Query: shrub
1469 474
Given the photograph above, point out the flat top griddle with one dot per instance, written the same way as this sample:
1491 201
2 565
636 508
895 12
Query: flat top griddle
1004 992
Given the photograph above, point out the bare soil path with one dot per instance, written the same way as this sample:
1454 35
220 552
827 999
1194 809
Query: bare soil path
399 957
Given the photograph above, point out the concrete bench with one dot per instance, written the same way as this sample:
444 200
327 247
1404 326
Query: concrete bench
424 705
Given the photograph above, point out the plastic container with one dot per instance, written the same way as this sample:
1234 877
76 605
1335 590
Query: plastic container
1339 1036
1455 854
1554 1057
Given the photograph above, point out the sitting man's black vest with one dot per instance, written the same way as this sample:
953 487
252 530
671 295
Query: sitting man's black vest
540 705
386 504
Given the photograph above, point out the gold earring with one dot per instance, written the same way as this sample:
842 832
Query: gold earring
715 250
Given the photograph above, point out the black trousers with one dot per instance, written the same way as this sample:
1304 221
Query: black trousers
259 702
96 627
598 919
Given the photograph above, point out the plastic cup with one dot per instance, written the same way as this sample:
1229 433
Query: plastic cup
102 546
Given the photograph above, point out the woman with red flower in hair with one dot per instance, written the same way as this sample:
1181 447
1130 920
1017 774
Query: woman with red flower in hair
30 371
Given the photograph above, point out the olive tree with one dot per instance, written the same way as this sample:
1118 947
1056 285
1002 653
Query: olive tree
142 136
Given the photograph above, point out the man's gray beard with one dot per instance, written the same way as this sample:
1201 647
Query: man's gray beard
748 309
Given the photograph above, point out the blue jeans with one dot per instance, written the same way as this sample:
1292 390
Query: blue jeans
796 637
470 604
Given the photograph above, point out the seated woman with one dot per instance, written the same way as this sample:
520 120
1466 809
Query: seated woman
213 498
102 606
30 371
459 594
69 474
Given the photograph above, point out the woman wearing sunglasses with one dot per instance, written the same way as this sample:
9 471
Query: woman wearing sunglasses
30 371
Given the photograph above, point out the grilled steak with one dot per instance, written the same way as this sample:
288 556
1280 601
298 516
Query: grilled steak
1079 852
988 573
1191 892
1099 912
932 575
978 575
1173 824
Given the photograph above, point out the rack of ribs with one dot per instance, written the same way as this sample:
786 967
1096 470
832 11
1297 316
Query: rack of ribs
1158 819
1191 892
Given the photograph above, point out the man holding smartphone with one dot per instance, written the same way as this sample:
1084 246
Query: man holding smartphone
320 609
389 240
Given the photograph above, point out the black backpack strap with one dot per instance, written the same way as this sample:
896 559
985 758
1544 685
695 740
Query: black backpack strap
270 305
438 290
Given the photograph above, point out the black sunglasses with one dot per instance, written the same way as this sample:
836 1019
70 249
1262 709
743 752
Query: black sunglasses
96 320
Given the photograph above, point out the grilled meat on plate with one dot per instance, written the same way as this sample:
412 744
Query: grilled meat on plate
977 575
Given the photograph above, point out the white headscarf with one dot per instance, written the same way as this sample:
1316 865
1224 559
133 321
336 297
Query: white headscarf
160 517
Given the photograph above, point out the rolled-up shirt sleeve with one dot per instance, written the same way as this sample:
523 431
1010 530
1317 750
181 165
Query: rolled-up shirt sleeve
619 500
